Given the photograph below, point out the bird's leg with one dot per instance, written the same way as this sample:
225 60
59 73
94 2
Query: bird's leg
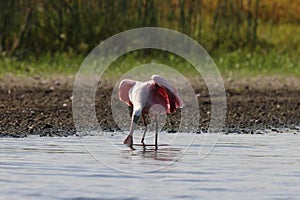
129 138
145 124
143 138
156 131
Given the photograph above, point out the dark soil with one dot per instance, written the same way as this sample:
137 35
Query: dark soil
44 107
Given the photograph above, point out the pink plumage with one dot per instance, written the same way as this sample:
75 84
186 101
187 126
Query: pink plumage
143 95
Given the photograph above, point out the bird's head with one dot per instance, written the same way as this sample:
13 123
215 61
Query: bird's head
136 115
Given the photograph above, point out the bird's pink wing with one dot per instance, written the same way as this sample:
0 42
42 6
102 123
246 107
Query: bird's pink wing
124 88
174 99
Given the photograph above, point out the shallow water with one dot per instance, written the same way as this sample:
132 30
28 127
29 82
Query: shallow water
98 167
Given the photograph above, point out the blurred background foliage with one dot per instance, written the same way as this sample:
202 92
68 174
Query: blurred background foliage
237 33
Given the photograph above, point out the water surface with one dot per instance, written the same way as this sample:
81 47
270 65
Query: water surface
263 166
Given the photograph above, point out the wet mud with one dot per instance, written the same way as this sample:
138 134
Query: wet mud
44 107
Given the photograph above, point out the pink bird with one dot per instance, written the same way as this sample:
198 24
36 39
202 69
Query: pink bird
142 96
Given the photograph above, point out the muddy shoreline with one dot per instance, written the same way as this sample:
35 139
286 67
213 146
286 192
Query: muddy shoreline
43 107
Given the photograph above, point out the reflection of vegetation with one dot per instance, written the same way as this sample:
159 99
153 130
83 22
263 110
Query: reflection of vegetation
37 31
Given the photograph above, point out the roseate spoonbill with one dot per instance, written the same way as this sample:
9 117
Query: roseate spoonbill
143 95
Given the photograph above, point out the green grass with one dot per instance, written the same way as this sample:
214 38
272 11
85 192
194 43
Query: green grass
45 65
254 63
242 62
277 53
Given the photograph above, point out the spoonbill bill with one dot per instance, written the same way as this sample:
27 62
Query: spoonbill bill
157 93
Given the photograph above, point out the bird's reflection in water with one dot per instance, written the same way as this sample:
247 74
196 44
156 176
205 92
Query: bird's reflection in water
161 154
164 154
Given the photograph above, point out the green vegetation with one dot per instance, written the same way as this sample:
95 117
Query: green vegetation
245 38
43 65
245 63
